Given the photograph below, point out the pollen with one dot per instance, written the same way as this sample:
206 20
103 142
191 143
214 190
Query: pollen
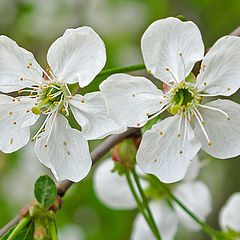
193 115
193 95
183 106
149 71
13 100
229 89
32 139
133 95
21 79
19 91
51 98
43 130
14 123
204 66
160 102
35 104
30 64
27 111
19 100
209 144
167 69
10 113
82 101
34 89
181 85
180 54
180 152
147 114
188 103
37 95
205 83
190 120
11 141
179 135
228 118
28 67
63 110
138 124
70 97
45 145
66 115
161 133
203 123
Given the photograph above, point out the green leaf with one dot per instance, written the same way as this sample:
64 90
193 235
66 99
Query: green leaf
45 191
6 235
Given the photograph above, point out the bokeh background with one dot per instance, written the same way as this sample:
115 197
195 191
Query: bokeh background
34 25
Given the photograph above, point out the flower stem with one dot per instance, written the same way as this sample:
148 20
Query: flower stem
19 227
53 229
131 68
204 226
145 202
139 204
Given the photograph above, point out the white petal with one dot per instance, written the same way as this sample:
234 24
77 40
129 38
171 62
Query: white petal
193 169
197 198
92 115
221 76
14 60
131 99
15 122
159 151
164 41
67 153
165 219
224 134
111 188
230 213
78 56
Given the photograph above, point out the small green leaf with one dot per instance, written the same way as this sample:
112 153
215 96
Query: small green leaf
182 18
45 191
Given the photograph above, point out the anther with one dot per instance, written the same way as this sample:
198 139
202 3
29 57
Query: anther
50 98
70 97
66 115
82 101
184 83
45 145
149 71
35 104
34 89
147 114
14 123
161 133
228 118
188 103
133 95
13 100
19 100
32 139
229 89
204 66
209 143
27 111
193 95
28 67
179 135
160 102
19 91
21 79
63 110
11 141
10 113
167 69
31 94
180 152
181 85
138 124
180 54
37 95
68 153
205 83
183 106
190 120
49 84
30 64
200 97
198 102
65 144
192 115
43 130
203 123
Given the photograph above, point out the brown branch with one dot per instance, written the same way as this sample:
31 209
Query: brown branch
96 154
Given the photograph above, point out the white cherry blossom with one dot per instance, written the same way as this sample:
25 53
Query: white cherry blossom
170 49
113 190
76 57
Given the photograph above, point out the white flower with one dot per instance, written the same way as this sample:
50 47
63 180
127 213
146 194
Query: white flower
77 56
170 49
230 214
113 190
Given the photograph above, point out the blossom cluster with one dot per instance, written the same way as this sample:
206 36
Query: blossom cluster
170 50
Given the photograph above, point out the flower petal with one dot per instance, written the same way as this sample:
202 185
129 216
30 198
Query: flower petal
78 56
15 71
229 215
197 197
92 115
131 100
193 169
171 44
166 221
15 122
111 188
163 153
67 153
224 134
219 74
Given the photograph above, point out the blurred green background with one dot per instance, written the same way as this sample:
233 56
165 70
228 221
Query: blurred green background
34 25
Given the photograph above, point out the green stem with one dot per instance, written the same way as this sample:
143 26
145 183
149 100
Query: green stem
53 229
204 226
19 227
145 202
131 68
139 204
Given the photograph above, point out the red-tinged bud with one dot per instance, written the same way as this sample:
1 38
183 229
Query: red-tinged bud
137 141
57 204
29 209
115 156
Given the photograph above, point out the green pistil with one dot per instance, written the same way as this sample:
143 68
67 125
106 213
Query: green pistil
37 110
